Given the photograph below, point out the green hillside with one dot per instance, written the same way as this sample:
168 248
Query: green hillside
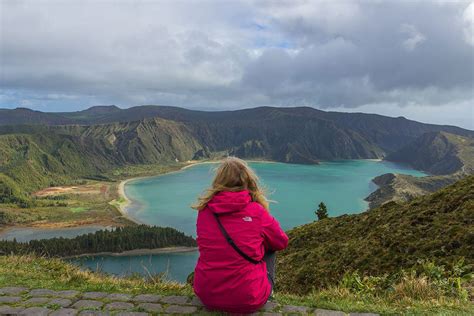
438 227
41 159
35 157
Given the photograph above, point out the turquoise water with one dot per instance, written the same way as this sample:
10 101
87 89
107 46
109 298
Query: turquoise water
173 266
296 189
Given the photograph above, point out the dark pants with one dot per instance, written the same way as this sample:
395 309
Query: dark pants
270 258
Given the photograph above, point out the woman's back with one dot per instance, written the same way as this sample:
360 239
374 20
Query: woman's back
224 279
230 274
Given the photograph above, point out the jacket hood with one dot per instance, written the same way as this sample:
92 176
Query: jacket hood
228 201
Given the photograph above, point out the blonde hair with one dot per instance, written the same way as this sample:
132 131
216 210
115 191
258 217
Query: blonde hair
233 174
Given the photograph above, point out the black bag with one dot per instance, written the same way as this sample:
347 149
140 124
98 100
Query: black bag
231 242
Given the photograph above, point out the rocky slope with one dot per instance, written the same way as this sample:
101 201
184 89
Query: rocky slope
403 188
438 227
449 157
438 153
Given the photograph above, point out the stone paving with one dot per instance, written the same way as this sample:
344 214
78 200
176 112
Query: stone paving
24 301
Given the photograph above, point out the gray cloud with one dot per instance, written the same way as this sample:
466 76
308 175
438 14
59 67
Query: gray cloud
56 55
377 48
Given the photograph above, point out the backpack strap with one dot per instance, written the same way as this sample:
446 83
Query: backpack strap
232 243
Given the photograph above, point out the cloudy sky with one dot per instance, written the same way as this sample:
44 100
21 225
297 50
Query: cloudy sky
397 58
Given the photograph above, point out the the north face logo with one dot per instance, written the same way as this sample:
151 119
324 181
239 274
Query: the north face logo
247 218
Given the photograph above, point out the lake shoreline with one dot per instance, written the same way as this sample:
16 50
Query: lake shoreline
122 205
137 252
127 201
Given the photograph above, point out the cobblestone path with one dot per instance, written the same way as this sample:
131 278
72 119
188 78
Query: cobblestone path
37 302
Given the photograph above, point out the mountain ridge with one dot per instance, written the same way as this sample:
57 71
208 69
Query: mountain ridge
88 143
173 112
371 135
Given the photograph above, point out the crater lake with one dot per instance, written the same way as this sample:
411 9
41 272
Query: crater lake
296 190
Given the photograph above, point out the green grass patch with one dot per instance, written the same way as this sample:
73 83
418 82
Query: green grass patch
142 170
78 209
73 206
55 274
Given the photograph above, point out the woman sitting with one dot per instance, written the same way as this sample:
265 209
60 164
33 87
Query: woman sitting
237 239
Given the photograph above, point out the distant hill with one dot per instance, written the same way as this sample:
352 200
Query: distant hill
438 227
27 116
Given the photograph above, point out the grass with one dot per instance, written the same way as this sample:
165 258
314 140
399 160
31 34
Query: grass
343 300
74 208
71 209
56 274
412 295
143 170
78 209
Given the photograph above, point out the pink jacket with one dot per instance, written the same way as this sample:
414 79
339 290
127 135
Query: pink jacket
223 280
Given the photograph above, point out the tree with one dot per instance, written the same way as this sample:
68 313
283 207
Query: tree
322 211
118 240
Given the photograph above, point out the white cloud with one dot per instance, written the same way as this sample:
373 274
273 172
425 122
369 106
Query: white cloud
468 19
414 37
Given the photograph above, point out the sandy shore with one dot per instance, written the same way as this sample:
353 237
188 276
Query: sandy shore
138 252
125 200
